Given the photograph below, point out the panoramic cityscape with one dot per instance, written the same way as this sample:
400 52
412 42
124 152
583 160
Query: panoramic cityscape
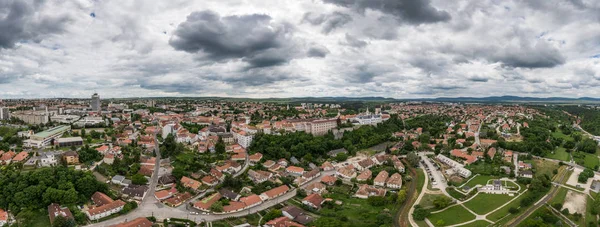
294 113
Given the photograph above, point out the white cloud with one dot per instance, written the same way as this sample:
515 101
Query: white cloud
471 48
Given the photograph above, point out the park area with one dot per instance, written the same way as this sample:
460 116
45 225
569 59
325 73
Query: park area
451 216
484 203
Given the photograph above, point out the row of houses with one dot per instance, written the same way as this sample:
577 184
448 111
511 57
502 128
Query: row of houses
238 203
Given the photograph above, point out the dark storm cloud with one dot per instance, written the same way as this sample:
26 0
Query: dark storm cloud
354 42
330 22
410 11
20 20
478 79
429 65
540 55
318 51
252 38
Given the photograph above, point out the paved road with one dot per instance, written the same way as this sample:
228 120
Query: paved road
440 181
412 208
149 199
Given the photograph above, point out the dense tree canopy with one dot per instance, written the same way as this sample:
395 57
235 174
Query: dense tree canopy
38 188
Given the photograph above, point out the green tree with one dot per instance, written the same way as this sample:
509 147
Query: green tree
413 159
139 179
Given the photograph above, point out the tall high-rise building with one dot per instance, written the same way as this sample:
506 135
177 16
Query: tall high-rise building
4 113
96 102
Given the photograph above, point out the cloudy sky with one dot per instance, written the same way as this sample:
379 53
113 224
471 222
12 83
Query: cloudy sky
294 48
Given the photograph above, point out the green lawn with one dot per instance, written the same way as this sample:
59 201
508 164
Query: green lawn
560 196
358 211
504 210
455 194
587 160
478 223
480 179
420 179
588 215
559 154
544 167
484 203
452 216
427 200
40 220
560 134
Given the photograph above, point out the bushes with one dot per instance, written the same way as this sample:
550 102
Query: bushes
420 214
585 175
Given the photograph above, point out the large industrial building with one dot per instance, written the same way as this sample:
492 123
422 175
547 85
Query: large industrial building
44 138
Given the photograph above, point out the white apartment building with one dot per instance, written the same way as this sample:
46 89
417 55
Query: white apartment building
459 168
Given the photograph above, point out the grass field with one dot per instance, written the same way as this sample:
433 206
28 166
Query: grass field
484 203
504 210
588 215
427 200
454 193
544 167
478 223
420 179
480 179
40 220
587 160
560 196
358 211
559 154
560 134
451 216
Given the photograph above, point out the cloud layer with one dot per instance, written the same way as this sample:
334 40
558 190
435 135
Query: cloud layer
286 48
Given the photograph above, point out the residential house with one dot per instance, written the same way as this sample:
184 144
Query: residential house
167 180
190 183
327 166
138 222
316 187
205 203
365 164
282 222
365 191
291 212
273 193
313 200
364 176
3 217
71 157
259 176
104 206
210 180
230 195
55 210
20 157
395 181
526 173
178 199
295 170
328 180
47 159
381 178
346 173
255 158
137 192
309 175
